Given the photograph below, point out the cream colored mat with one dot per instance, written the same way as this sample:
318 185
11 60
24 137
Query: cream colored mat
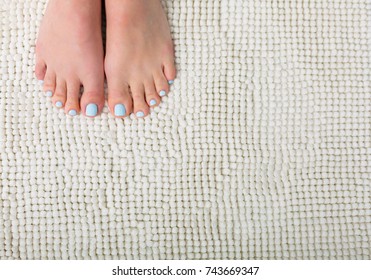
260 151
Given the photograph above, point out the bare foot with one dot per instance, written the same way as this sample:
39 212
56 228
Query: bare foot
139 63
69 53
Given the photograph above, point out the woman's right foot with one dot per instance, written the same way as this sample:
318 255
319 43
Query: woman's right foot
69 53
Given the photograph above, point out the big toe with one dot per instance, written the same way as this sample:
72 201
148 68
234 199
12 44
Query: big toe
92 100
119 101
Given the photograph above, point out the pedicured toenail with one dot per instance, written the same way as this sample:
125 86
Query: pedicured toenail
140 114
153 102
120 110
171 82
162 93
58 104
91 110
72 113
41 82
49 93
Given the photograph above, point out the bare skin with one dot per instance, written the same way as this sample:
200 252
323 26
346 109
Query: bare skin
69 54
139 62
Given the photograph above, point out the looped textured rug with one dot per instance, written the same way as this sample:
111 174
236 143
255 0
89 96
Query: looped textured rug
260 151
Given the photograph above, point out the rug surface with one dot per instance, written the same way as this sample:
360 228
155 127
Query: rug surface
260 151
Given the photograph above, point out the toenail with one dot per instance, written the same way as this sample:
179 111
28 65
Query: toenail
58 104
91 110
120 110
171 82
140 114
41 82
72 112
162 93
152 102
49 93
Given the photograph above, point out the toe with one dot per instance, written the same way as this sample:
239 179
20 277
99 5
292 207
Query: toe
49 82
59 97
119 101
152 98
72 106
141 108
170 70
40 69
162 85
92 100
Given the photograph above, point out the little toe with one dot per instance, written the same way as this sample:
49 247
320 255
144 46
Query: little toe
161 83
120 102
170 70
60 95
49 83
92 100
40 69
72 106
141 108
152 98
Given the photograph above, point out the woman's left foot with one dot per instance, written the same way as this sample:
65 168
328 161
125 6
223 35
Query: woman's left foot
139 62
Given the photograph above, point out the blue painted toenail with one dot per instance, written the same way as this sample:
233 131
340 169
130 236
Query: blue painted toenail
162 93
140 114
72 112
171 82
41 82
152 102
91 110
58 104
49 93
120 110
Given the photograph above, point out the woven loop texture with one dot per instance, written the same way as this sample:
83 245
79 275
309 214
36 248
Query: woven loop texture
261 150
